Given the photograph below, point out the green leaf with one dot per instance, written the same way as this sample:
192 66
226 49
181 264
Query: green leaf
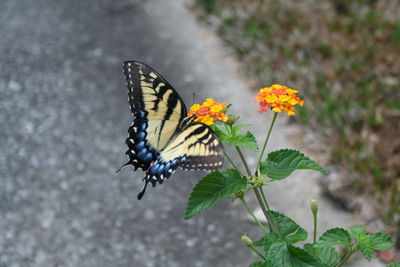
327 256
281 163
366 247
378 241
233 136
381 241
303 256
368 243
290 231
247 141
282 255
258 264
221 130
267 240
212 188
334 236
358 231
396 264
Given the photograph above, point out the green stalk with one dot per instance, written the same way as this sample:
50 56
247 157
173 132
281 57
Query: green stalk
247 241
252 214
314 210
258 195
257 252
266 141
275 227
243 160
348 255
265 211
231 162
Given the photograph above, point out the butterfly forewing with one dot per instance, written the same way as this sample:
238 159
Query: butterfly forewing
150 92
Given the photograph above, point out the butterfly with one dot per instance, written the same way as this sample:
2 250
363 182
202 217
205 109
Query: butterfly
162 137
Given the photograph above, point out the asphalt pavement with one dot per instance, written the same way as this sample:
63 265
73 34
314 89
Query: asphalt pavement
64 117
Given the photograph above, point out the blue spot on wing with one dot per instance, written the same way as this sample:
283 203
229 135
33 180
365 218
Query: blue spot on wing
140 136
141 154
139 145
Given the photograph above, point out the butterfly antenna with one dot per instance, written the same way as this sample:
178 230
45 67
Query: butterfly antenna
141 194
194 98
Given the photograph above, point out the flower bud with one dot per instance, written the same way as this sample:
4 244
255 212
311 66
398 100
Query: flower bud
246 240
314 206
239 194
231 120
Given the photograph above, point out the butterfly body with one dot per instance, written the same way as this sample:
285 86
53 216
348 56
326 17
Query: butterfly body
161 137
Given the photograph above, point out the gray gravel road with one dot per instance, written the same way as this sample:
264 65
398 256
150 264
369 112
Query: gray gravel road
63 120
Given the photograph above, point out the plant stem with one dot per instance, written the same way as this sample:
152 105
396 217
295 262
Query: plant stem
348 255
315 227
273 223
266 141
243 160
252 214
250 245
231 162
258 252
265 211
256 191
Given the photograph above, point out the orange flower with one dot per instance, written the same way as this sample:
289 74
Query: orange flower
277 98
209 112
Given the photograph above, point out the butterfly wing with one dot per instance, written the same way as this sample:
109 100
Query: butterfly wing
161 137
158 111
194 147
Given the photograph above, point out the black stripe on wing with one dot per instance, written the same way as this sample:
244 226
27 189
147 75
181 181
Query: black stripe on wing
137 74
151 98
204 151
195 147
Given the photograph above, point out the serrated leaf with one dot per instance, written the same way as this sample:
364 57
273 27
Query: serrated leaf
281 163
212 188
282 255
366 247
237 127
232 136
290 231
381 241
334 236
368 243
327 256
221 130
247 141
303 256
267 240
258 264
396 264
358 231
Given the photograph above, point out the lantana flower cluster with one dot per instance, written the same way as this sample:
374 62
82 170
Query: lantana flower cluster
209 112
278 98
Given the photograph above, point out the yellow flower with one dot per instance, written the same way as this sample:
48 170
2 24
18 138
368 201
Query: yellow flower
216 108
208 102
278 98
195 107
209 112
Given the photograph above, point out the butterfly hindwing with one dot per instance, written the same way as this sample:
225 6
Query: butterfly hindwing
194 147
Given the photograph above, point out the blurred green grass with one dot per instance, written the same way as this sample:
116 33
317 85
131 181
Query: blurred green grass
345 57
